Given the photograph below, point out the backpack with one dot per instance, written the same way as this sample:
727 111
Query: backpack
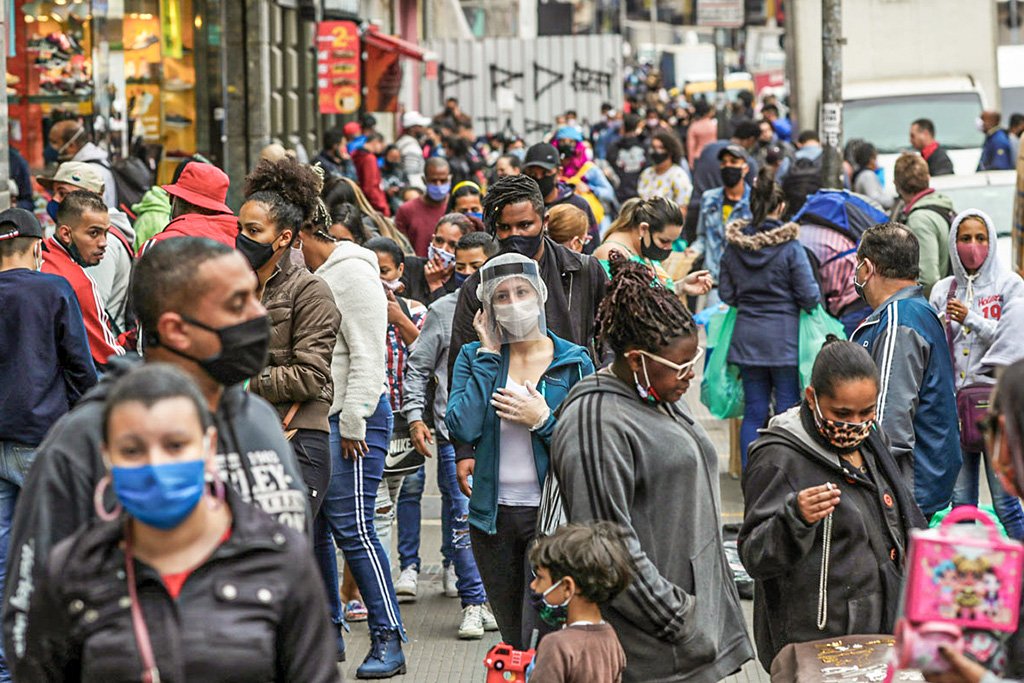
132 178
802 180
948 215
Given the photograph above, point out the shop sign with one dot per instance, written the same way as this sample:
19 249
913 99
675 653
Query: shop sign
383 80
337 66
720 13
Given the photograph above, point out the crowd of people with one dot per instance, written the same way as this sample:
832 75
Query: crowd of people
201 408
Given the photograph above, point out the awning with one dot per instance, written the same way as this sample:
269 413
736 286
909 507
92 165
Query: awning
382 41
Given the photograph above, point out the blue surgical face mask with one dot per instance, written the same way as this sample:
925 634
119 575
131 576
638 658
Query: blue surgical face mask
160 496
460 278
447 258
475 214
518 153
437 193
51 209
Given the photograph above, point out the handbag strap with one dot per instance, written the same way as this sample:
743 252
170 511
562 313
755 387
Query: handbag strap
290 415
949 322
150 673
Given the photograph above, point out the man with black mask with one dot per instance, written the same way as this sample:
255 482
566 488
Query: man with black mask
197 307
543 163
80 242
514 214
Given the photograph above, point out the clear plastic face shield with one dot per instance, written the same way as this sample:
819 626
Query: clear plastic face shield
513 297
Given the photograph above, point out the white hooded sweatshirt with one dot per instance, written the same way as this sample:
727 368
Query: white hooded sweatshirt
990 294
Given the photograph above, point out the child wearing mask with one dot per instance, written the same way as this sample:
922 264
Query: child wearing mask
576 569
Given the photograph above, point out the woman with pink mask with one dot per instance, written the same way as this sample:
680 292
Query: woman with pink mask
972 302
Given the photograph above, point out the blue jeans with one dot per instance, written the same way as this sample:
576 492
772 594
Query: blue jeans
15 459
348 511
455 544
410 514
1007 506
758 385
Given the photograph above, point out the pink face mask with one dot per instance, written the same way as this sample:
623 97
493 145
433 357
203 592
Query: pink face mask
972 255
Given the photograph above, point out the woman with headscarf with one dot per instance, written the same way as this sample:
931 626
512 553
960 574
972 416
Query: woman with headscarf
504 391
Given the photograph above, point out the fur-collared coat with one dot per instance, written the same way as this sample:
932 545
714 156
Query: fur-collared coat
767 276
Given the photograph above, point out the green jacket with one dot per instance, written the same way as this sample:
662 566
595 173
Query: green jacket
926 218
153 213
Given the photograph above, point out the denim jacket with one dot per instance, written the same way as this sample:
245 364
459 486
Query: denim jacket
471 419
711 228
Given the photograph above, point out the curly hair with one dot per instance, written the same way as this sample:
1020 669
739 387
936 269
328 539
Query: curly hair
290 190
635 314
670 141
593 554
512 189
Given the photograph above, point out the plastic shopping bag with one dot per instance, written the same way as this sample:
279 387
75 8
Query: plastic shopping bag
721 389
814 328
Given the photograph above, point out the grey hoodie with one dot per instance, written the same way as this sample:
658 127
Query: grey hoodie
358 365
992 294
428 357
100 162
654 471
113 273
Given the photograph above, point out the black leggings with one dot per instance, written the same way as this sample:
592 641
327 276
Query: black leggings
313 451
506 573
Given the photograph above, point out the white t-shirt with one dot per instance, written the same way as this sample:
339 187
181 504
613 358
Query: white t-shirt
517 472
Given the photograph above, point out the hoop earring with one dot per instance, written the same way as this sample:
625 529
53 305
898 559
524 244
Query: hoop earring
215 501
97 501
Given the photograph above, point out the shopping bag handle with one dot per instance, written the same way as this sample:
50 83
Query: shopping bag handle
969 513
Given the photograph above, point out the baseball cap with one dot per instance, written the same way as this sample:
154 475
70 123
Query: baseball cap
542 154
204 185
17 222
352 130
733 150
78 173
411 119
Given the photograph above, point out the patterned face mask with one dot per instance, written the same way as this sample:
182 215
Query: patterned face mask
845 436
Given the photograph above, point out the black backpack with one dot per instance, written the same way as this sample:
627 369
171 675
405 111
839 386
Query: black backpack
803 180
133 180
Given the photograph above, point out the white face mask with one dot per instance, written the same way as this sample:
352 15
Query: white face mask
980 125
393 285
38 254
518 318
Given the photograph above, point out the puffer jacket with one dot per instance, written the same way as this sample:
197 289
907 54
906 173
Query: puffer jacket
255 610
784 554
57 497
925 215
304 323
767 276
990 294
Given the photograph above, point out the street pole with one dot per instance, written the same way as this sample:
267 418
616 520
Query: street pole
832 91
654 28
720 97
5 168
1014 23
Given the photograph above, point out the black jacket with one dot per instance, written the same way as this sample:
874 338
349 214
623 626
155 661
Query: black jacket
57 498
784 554
939 162
255 610
576 284
415 280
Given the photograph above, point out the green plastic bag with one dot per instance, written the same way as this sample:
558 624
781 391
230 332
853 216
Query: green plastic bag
721 388
814 328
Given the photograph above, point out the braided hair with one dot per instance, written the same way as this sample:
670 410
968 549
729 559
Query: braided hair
511 189
290 191
634 314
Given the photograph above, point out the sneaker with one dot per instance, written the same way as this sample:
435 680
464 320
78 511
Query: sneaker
472 627
487 616
449 582
143 40
355 611
405 587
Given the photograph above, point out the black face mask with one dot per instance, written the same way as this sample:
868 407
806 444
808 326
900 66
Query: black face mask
658 157
256 253
546 184
652 251
521 244
567 149
75 254
731 175
243 350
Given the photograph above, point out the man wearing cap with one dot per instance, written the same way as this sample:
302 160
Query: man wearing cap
113 273
417 218
198 208
79 243
73 142
410 145
333 158
543 164
719 206
46 365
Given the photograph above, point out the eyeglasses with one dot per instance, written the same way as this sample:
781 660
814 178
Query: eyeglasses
681 370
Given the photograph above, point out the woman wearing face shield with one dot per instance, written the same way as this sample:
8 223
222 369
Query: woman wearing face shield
178 580
504 391
627 450
827 515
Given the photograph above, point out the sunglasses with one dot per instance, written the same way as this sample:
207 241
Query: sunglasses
681 370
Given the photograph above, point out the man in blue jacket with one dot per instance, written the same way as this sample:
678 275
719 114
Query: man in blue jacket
997 153
916 400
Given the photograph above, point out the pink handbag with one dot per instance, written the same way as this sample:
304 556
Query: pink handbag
956 581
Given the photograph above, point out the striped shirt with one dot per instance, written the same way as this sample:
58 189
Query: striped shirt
837 262
397 351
